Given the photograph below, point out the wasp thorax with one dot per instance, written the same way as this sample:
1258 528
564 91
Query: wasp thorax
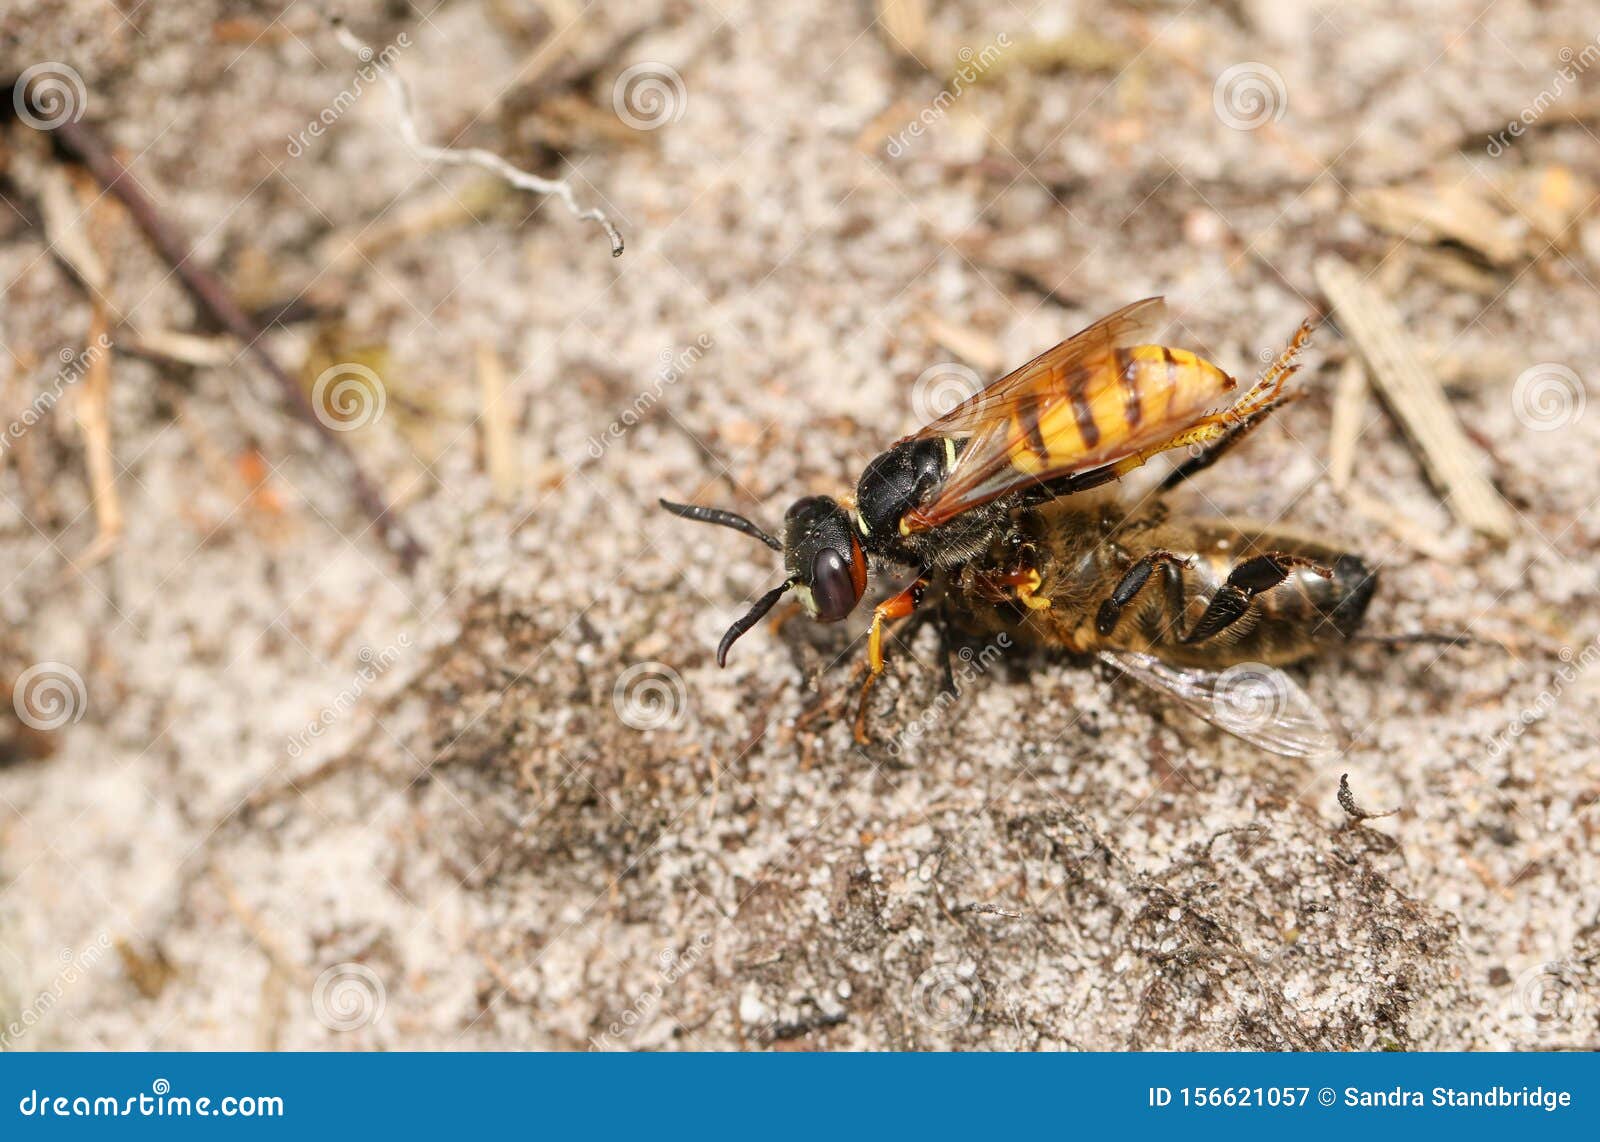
823 558
897 481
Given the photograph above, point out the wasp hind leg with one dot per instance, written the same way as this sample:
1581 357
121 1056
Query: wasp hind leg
895 607
1244 583
1213 435
1208 454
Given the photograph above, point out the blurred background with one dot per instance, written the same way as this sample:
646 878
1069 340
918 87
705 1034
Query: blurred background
282 772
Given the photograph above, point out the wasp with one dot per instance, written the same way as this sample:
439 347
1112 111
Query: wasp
989 507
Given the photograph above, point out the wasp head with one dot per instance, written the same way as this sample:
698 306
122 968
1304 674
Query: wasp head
822 559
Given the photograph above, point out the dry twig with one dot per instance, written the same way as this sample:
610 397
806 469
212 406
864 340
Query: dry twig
1349 402
93 410
473 156
499 449
85 146
1347 802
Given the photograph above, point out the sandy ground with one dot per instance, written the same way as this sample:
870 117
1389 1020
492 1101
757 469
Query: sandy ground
303 799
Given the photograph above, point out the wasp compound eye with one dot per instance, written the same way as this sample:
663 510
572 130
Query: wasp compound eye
833 586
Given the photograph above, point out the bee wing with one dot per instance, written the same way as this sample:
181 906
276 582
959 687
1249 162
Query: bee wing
1258 703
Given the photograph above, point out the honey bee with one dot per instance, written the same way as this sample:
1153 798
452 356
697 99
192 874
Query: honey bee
988 506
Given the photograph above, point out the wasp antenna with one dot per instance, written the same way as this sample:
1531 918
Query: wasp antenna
751 617
726 519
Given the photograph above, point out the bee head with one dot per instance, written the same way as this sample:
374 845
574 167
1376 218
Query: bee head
821 555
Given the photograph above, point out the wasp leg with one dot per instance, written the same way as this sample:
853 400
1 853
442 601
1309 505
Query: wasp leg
1209 454
1244 583
895 607
1070 484
947 654
1216 433
1133 581
1020 584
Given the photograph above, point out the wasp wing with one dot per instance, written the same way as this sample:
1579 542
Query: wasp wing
1258 703
1042 422
1133 324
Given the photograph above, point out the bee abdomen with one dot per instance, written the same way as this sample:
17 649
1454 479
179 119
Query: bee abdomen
1289 620
1352 586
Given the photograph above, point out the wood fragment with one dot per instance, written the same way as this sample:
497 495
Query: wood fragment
574 54
1349 405
1081 50
66 229
1415 397
1408 531
1448 213
499 448
191 349
905 27
147 967
354 246
976 348
263 935
92 407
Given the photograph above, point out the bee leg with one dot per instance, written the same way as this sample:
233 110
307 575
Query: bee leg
895 607
1245 582
1133 581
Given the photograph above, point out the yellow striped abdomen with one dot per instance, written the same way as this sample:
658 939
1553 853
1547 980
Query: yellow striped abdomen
1129 400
